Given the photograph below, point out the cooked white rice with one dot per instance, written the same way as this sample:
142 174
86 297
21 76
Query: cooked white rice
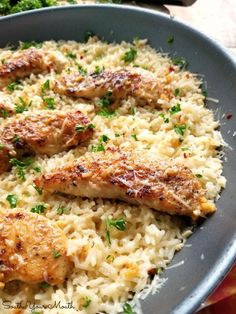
111 275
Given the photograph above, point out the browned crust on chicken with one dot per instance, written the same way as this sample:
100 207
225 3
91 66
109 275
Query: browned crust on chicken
162 185
27 62
42 133
28 245
123 83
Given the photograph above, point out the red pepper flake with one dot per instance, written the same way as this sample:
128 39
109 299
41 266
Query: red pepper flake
185 155
229 115
171 69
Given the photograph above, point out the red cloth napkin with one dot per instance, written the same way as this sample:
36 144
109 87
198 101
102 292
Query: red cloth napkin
223 299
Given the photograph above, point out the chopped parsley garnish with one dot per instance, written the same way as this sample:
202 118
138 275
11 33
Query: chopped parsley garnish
127 309
119 224
55 253
50 103
130 55
71 55
181 62
28 44
134 136
110 258
1 146
22 106
38 189
117 135
38 209
104 138
170 40
80 128
15 139
45 86
204 93
133 110
98 69
37 169
159 270
104 103
4 113
21 166
81 69
177 91
198 175
87 35
12 199
180 129
175 109
166 119
87 302
99 148
62 210
184 148
13 86
44 285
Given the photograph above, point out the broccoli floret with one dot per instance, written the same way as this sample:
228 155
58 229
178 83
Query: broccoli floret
24 5
5 6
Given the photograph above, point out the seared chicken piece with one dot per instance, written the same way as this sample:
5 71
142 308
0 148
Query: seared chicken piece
42 133
32 249
162 185
122 83
29 61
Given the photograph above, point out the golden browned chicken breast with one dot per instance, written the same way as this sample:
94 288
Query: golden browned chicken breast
32 249
162 185
29 61
42 133
117 84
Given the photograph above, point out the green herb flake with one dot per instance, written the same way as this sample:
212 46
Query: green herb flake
130 55
12 199
4 113
62 210
81 69
127 309
71 55
38 209
50 103
181 62
119 224
104 138
45 87
133 110
204 93
198 175
110 258
175 109
15 139
13 86
87 35
134 136
99 148
22 106
55 253
1 146
180 129
170 40
177 92
106 112
38 189
106 100
117 135
185 149
44 285
37 169
98 69
79 128
21 166
28 44
159 270
166 119
87 302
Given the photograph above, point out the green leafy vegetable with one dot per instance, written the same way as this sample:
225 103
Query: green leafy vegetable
15 139
104 138
98 69
81 69
28 44
80 128
45 86
12 199
21 166
170 39
38 209
117 135
71 55
175 109
166 119
198 175
180 129
119 224
104 103
133 110
134 136
55 253
185 148
87 302
38 189
130 55
50 103
181 62
4 113
13 86
22 106
44 285
177 91
127 309
62 210
24 5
